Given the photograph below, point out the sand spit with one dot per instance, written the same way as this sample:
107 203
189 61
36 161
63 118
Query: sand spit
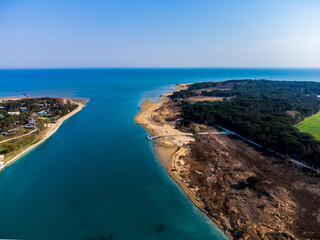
50 130
211 168
172 150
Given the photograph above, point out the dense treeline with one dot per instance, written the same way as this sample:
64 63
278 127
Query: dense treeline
302 96
183 94
230 83
217 93
258 111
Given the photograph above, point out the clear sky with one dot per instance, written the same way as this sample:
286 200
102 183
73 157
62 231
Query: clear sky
159 33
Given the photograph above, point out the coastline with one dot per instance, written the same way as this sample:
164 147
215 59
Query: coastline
211 169
51 129
171 150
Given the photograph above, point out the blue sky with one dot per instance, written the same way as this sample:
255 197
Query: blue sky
154 33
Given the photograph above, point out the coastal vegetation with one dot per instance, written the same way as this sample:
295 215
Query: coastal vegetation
26 121
253 182
249 191
11 148
16 113
261 110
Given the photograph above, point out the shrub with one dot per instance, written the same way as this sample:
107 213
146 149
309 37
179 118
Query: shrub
253 182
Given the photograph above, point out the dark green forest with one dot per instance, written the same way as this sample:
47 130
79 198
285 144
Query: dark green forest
261 110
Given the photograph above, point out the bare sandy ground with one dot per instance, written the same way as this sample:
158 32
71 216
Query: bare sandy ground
155 123
171 150
203 99
15 98
50 130
288 204
11 98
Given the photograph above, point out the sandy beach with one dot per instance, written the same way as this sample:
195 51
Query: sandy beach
51 128
232 210
171 149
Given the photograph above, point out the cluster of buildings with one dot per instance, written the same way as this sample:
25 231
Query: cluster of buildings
31 123
14 113
21 109
15 117
16 126
25 114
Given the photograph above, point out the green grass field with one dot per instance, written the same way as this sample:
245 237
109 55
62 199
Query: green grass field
311 125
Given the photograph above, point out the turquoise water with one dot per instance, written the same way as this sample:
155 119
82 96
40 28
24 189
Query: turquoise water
97 175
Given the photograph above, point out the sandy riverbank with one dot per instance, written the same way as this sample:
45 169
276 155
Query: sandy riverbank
171 150
212 169
49 131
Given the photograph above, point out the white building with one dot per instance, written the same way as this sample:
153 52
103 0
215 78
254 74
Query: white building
14 113
1 165
1 157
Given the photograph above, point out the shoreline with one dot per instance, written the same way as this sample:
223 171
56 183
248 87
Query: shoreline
51 129
169 152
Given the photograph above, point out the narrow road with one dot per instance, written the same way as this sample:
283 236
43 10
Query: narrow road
270 150
187 134
7 140
227 131
48 133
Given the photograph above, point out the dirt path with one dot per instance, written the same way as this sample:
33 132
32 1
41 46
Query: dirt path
51 129
19 136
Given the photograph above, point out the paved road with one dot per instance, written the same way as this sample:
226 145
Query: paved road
188 134
270 150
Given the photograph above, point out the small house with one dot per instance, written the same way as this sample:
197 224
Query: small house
1 157
14 113
29 126
41 112
32 121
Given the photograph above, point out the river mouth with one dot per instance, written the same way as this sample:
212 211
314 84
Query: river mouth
98 176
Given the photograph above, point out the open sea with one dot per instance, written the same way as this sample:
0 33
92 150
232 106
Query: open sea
97 177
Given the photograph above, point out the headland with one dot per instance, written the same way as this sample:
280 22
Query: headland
248 190
29 128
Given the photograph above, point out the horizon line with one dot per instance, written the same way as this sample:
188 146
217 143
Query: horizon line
151 68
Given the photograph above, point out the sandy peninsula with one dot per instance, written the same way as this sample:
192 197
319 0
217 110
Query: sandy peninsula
51 128
211 167
171 145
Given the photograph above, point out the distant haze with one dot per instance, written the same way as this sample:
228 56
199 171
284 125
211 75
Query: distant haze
153 33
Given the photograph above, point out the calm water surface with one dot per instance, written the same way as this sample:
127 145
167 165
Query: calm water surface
97 175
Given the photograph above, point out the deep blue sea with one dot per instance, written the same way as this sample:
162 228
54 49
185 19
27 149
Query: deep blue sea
97 176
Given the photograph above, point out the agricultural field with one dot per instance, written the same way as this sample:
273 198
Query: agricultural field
311 125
